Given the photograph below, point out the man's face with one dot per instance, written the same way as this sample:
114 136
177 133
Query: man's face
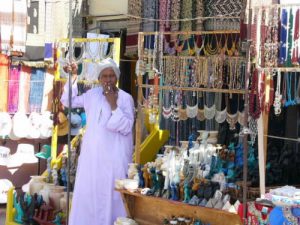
108 78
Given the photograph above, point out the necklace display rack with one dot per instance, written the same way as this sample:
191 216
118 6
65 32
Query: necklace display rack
145 86
267 37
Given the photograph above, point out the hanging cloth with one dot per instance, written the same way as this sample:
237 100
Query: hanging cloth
36 90
24 88
48 91
13 89
3 82
133 26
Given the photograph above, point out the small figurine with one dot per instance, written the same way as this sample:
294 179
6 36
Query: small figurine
19 211
174 192
141 177
54 175
187 192
58 219
160 184
154 187
63 172
48 179
146 176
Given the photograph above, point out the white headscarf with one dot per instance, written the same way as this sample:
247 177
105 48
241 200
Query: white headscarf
108 63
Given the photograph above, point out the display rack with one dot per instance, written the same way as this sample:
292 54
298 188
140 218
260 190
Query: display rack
138 205
148 210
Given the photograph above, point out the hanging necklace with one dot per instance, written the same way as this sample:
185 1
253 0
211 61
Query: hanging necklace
210 112
254 98
80 57
221 115
192 111
283 37
298 92
197 49
93 49
257 214
287 213
103 51
208 48
200 115
241 118
232 120
278 96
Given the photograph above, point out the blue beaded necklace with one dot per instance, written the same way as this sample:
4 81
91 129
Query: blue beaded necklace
283 37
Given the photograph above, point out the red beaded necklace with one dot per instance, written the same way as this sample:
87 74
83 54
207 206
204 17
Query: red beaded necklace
254 99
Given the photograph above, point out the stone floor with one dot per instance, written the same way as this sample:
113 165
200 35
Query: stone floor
2 214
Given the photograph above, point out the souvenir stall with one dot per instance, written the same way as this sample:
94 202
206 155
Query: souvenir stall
54 187
215 94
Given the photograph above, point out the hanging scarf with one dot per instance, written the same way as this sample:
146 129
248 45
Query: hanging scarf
3 82
36 90
163 8
48 91
13 89
186 13
149 12
24 88
199 13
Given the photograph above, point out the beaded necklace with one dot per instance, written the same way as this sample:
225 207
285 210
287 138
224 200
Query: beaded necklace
283 37
221 116
296 49
208 48
278 96
291 219
256 215
103 49
290 39
297 94
254 99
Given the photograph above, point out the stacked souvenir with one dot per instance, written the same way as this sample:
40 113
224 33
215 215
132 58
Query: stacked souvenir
199 173
42 199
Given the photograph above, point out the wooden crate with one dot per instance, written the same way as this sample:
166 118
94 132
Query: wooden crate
148 210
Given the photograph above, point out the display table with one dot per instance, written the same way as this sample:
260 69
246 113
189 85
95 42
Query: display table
148 210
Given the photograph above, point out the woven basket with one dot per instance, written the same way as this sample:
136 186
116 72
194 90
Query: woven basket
229 8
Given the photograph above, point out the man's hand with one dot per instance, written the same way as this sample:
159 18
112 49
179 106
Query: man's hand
71 68
111 94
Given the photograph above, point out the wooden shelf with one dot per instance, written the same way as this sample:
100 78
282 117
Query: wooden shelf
149 210
192 32
233 91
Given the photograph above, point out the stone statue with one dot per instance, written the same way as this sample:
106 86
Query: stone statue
146 176
141 177
160 184
49 171
174 191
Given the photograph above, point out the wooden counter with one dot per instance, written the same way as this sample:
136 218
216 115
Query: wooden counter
148 210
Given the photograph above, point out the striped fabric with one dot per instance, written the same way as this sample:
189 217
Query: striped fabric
3 82
36 90
13 20
133 27
48 91
24 89
13 89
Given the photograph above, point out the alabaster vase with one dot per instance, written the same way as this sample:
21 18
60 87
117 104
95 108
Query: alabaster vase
36 184
213 137
63 201
184 145
55 194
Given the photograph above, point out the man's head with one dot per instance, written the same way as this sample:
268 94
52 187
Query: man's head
109 72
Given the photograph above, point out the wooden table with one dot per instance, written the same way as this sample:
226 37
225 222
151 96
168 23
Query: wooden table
148 210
